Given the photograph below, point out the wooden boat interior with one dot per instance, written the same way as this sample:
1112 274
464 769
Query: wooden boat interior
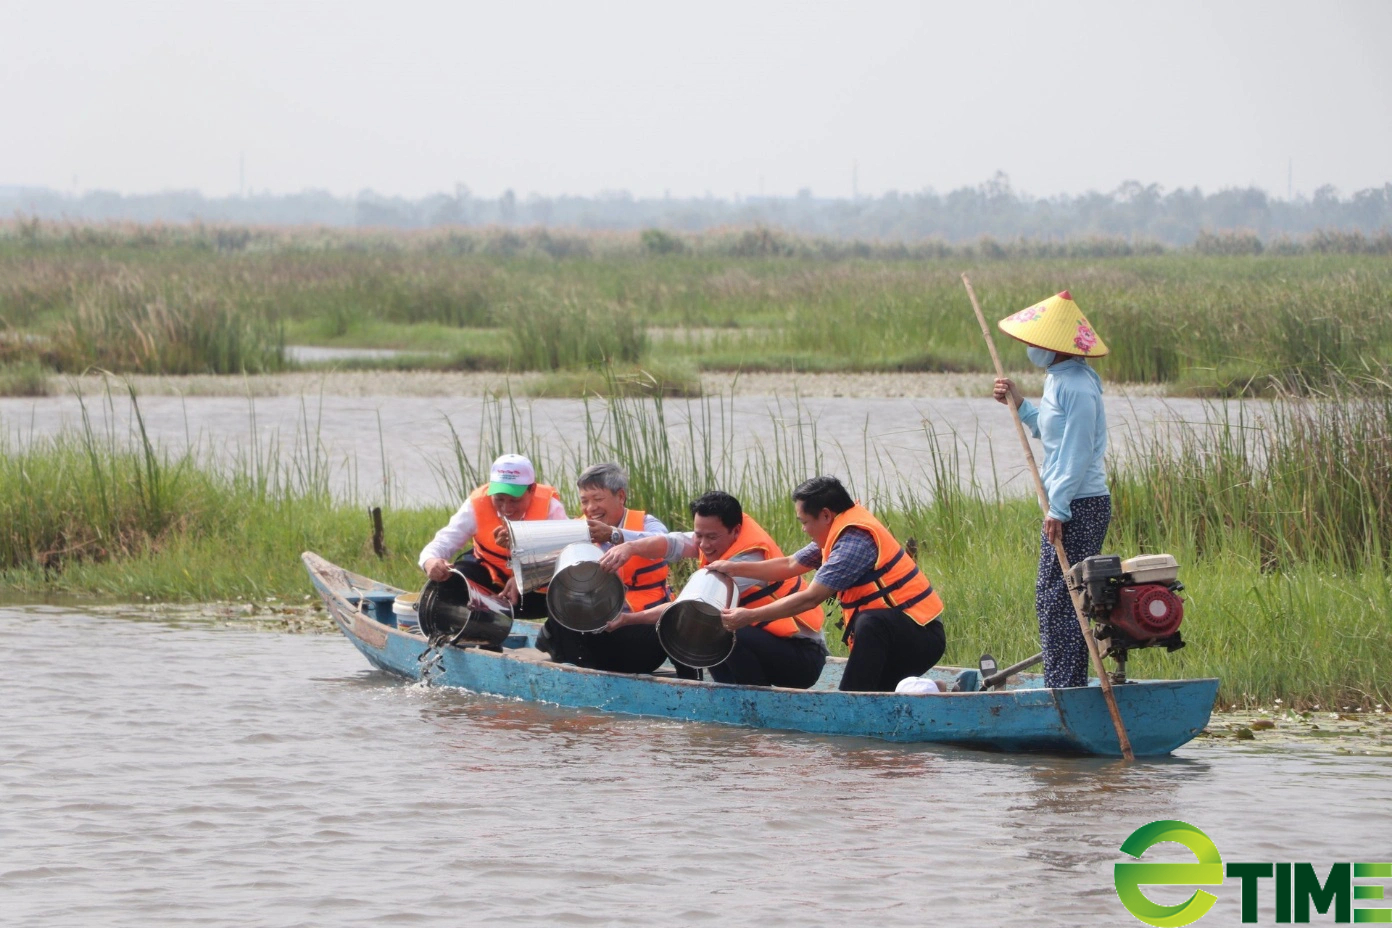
373 600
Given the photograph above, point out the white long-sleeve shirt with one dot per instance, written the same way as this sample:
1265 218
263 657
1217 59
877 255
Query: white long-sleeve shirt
462 526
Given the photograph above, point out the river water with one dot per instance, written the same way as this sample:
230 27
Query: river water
159 772
396 448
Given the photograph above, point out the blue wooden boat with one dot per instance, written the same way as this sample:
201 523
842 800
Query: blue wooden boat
1160 715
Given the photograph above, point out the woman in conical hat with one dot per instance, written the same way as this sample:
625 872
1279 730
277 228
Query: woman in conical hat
1072 424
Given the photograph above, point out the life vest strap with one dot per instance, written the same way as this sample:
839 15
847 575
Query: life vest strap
914 601
656 584
882 592
490 551
761 593
646 599
650 568
904 607
879 572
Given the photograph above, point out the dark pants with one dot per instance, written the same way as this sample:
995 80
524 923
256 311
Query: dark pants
530 606
761 658
890 646
1061 638
631 649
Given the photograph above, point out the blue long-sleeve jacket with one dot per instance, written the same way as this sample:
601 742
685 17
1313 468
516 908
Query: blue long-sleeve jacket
1072 425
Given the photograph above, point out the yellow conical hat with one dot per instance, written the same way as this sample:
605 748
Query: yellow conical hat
1055 325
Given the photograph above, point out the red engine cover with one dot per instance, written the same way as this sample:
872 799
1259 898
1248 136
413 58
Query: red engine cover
1146 612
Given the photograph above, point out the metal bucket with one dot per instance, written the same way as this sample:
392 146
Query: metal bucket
583 596
536 546
690 629
444 609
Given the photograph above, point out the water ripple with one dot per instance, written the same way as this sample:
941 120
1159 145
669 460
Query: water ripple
163 776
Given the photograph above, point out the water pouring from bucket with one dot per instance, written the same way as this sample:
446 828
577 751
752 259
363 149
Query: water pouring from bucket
582 596
537 546
462 611
690 630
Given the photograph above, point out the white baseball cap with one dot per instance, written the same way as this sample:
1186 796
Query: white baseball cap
511 474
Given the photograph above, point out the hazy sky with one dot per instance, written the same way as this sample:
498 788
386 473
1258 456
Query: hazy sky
726 97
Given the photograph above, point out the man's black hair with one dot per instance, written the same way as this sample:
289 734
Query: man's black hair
822 493
720 504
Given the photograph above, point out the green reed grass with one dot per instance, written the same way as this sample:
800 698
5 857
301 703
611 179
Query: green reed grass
1218 324
129 325
570 333
24 378
1279 524
1278 515
1298 481
107 511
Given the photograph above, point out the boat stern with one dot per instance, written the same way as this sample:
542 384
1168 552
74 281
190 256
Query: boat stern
1159 715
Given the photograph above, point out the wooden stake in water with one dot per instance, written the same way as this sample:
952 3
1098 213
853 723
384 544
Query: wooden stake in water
1073 594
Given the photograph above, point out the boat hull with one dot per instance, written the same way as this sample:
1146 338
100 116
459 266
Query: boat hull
1159 715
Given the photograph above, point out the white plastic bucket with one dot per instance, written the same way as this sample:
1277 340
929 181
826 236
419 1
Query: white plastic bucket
404 608
918 686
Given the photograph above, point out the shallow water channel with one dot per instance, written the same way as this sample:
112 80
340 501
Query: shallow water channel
162 772
397 447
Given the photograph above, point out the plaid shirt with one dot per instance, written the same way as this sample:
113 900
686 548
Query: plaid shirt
852 557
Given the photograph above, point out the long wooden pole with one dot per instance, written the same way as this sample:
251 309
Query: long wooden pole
1073 594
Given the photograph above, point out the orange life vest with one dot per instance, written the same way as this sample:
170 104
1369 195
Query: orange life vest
487 518
894 583
644 579
752 537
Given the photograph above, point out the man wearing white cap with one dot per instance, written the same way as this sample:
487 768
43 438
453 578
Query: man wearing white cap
511 493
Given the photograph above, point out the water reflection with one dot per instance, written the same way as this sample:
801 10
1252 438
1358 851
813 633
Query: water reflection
1075 785
679 743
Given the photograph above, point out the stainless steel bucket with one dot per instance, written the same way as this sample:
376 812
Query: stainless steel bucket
536 546
583 596
690 629
444 609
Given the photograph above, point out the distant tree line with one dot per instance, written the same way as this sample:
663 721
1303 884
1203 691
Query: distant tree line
992 209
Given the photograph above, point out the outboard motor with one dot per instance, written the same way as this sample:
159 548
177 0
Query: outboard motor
1132 604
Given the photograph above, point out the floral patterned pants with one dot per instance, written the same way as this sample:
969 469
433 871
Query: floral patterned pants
1065 652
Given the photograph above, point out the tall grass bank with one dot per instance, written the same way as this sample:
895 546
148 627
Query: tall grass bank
1220 318
1281 517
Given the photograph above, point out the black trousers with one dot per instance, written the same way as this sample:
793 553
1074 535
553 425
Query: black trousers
761 658
631 649
890 646
530 606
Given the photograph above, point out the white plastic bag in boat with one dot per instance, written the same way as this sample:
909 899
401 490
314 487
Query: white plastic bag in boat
917 686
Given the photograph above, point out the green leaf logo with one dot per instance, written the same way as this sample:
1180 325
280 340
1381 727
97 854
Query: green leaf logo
1207 872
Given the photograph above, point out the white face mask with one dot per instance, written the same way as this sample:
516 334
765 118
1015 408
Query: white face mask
1040 357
